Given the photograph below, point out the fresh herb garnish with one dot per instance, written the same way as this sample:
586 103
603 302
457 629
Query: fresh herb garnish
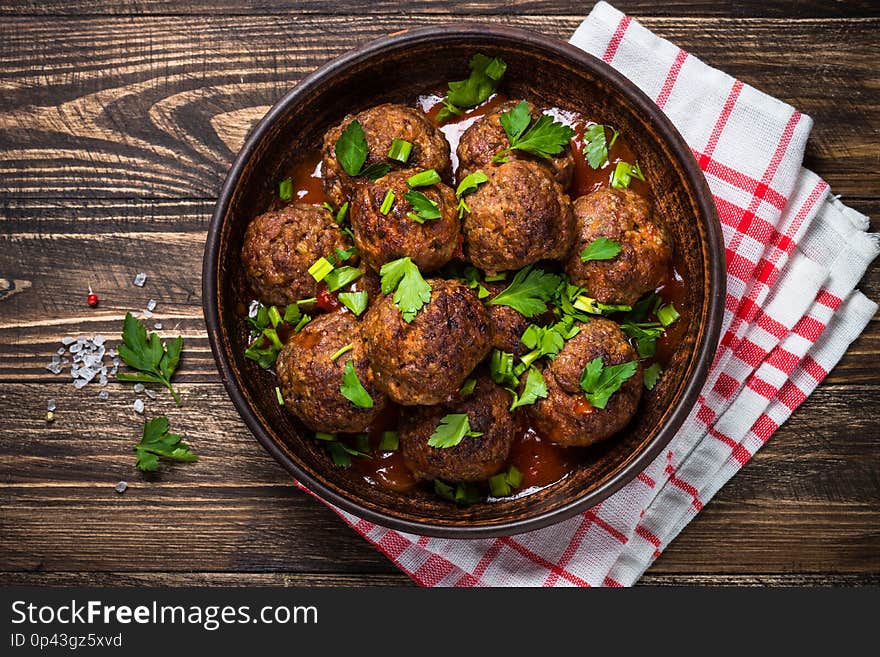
400 150
467 388
425 208
356 302
411 291
389 442
320 268
545 138
652 375
547 340
594 307
342 214
352 389
387 202
424 179
341 276
351 148
157 443
342 350
600 382
471 276
486 73
601 248
596 146
534 389
145 352
528 292
279 396
351 152
340 453
667 314
501 369
504 483
469 184
285 189
463 494
452 430
645 334
624 173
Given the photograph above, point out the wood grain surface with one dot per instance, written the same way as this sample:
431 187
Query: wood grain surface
118 121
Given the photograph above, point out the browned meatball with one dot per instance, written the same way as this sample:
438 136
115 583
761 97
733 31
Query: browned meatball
486 138
565 416
382 125
381 238
475 458
646 246
310 380
281 245
520 216
426 361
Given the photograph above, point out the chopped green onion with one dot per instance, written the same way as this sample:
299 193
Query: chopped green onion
495 278
389 442
274 316
304 302
273 338
667 314
415 217
624 173
344 254
320 269
305 319
400 150
424 178
285 189
278 396
467 388
362 443
341 276
387 202
328 207
343 350
505 483
320 435
291 313
342 214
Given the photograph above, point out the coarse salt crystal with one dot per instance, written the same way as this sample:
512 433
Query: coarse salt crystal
76 347
99 340
158 326
55 368
61 351
50 405
151 304
103 380
140 279
120 487
79 383
150 393
138 406
139 387
103 394
67 340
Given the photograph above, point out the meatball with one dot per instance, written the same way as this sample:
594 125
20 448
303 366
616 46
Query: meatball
281 245
486 138
382 125
475 458
381 238
310 379
518 217
426 361
565 416
646 246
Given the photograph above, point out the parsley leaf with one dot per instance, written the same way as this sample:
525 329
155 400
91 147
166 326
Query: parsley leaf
157 443
425 208
534 389
601 248
351 148
469 184
411 290
501 369
486 73
356 302
600 382
624 173
460 493
652 375
452 430
596 146
504 483
375 170
544 138
529 291
145 352
352 389
645 334
341 276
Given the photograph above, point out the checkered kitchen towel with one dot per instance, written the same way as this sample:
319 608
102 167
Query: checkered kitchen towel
794 256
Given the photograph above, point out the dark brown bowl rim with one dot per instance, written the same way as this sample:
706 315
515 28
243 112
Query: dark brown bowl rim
677 147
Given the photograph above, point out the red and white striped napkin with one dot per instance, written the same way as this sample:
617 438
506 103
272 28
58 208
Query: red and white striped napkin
794 256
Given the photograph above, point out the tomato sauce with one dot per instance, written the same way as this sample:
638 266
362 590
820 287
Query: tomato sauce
541 462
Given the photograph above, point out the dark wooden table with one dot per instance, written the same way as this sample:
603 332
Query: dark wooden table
118 120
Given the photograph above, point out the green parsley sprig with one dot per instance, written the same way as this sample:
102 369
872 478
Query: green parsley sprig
411 291
157 443
545 138
599 381
351 151
453 428
469 184
596 146
425 208
145 352
486 74
352 388
529 291
601 248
